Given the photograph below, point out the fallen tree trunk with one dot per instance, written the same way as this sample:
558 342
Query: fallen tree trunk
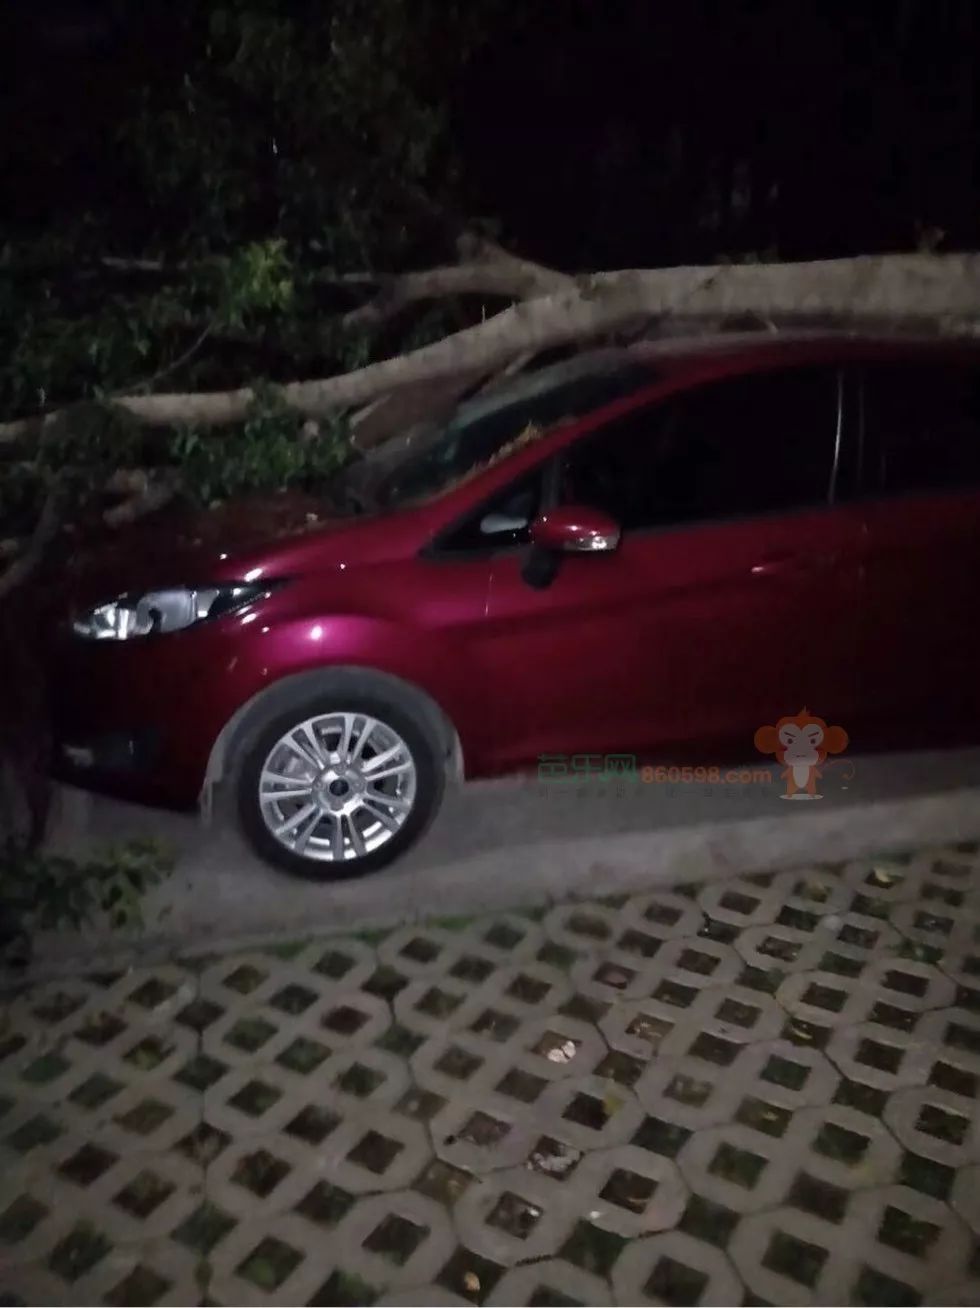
942 290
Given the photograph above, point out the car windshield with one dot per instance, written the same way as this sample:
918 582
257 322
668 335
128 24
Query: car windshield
485 430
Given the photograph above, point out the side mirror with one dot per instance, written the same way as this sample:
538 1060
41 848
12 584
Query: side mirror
575 529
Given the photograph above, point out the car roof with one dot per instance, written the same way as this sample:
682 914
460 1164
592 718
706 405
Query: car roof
764 348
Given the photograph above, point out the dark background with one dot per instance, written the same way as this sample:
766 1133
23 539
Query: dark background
601 133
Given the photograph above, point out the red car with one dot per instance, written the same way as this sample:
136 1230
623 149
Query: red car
655 551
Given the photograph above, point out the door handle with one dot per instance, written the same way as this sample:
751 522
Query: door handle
781 565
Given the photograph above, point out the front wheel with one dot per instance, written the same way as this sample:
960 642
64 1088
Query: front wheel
341 783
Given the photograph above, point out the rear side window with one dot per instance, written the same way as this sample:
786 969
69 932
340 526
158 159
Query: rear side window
766 443
921 428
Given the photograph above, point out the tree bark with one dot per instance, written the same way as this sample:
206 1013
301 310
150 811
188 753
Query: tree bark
942 290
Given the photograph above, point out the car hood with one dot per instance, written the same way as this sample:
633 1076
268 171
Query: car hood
282 537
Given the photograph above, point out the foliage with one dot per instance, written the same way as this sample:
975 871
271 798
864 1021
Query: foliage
265 148
268 451
46 891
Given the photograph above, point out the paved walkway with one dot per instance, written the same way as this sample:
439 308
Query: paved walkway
762 1090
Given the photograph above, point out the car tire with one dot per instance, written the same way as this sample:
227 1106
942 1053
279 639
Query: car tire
400 715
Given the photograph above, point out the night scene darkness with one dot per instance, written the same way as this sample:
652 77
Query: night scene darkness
489 702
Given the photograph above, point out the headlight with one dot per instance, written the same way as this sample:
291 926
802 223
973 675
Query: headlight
160 611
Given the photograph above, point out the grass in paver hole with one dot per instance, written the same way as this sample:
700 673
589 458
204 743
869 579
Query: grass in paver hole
593 928
739 1014
204 1228
818 1197
100 1028
866 1098
838 1143
766 980
628 1190
203 1144
342 1290
517 1216
199 1014
201 1072
396 1238
144 1118
899 1019
303 1055
944 1125
255 1098
652 1029
497 1026
524 1086
553 1158
797 1259
874 1287
20 1219
545 1297
592 1249
482 1129
44 1069
932 1178
385 982
799 1032
250 1034
622 1068
78 1252
638 942
675 1283
560 956
907 1233
661 1137
954 1079
57 1007
333 964
145 1192
689 1090
346 1021
438 1003
472 970
737 1165
269 1263
706 1220
36 1131
528 989
325 1204
784 1072
443 1182
421 1105
293 999
359 1080
87 1164
312 1124
585 1009
141 1287
504 936
245 979
841 965
375 1152
152 993
94 1092
149 1053
458 1063
400 1041
260 1172
768 1118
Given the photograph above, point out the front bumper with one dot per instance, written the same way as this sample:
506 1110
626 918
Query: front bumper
138 719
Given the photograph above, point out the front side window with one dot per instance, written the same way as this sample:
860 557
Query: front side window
765 443
501 523
921 427
487 429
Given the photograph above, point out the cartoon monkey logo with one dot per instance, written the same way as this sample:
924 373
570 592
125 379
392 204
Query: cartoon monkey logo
802 743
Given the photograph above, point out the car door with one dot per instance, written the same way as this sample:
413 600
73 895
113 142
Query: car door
920 428
730 600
